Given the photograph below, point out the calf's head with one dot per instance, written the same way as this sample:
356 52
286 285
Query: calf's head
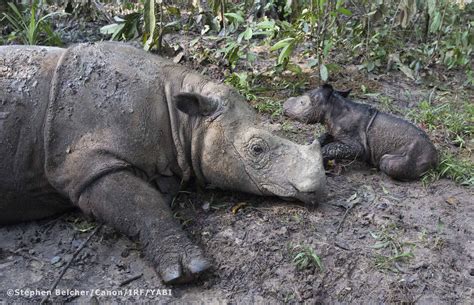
311 107
230 150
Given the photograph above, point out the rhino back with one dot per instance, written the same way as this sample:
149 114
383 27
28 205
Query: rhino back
25 78
108 112
390 134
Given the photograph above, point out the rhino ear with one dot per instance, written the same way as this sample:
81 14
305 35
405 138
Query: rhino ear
195 104
344 94
327 90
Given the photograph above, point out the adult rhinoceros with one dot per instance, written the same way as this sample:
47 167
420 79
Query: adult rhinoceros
113 130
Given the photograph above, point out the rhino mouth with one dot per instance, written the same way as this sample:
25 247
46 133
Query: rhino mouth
291 193
279 191
311 198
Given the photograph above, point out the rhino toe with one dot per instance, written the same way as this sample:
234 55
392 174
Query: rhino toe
197 263
183 266
171 273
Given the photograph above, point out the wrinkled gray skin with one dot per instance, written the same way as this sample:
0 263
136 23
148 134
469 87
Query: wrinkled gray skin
356 131
113 130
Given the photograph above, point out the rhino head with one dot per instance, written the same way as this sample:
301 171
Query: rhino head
311 107
230 150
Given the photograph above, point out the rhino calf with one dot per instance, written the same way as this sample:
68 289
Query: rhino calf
357 131
114 130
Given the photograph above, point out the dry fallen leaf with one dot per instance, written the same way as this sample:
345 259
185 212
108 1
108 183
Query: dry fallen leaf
452 200
238 206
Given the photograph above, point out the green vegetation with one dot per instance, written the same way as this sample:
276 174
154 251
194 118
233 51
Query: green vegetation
456 123
305 257
390 250
433 240
457 169
31 26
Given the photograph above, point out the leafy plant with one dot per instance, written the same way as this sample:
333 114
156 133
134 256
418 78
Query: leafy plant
453 121
306 257
391 250
459 170
31 27
144 24
243 82
266 105
126 28
317 24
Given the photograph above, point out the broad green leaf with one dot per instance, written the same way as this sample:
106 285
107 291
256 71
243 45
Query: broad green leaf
285 53
282 43
344 11
312 62
407 71
110 28
267 24
381 245
436 22
248 33
236 17
327 47
173 10
150 19
294 68
431 7
323 72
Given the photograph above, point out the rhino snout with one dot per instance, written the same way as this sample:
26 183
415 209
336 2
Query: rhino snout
310 181
311 190
299 108
287 107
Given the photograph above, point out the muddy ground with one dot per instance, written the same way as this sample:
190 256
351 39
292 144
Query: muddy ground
378 240
253 248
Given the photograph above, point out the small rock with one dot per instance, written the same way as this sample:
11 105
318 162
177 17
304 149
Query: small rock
55 260
206 206
281 231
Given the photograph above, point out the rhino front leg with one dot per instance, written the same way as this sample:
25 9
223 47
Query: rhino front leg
136 209
339 150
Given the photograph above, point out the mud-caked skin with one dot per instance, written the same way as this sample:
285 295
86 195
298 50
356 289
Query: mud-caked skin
357 131
114 131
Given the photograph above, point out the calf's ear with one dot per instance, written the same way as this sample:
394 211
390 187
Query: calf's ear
344 94
195 104
326 91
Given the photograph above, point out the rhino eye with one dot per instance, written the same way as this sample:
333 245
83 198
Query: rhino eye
257 146
257 149
257 152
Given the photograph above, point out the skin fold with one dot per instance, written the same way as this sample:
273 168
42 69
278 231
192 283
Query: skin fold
357 131
115 131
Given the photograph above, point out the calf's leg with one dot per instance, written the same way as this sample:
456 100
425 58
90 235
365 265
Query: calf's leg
340 150
399 166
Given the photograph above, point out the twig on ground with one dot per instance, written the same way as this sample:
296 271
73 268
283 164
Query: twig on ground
339 227
25 255
128 281
84 243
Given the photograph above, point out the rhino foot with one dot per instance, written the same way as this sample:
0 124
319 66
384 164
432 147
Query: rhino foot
181 262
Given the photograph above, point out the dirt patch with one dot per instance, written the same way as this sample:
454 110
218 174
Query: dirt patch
253 249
